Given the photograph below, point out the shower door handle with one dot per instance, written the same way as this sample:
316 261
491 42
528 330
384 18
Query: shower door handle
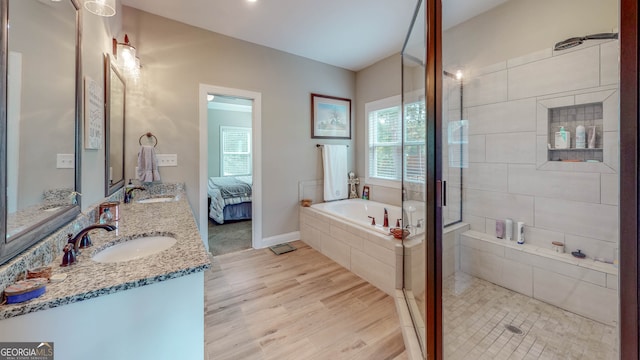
444 193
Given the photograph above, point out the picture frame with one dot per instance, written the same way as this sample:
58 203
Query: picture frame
330 117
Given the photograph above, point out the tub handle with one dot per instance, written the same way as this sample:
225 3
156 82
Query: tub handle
373 220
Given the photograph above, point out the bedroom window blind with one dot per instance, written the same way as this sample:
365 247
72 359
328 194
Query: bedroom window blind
385 135
235 151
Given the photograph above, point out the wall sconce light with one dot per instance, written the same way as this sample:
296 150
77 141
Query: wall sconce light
101 7
126 58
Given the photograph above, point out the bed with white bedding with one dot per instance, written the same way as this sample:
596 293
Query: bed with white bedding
230 198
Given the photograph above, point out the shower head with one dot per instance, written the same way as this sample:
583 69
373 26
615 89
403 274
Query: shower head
575 41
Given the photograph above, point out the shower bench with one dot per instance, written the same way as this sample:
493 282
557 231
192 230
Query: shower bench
581 286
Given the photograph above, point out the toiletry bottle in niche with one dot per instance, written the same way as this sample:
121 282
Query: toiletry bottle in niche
508 229
520 234
563 139
591 135
580 137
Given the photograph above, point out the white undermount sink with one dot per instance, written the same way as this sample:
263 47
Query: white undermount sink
156 200
134 249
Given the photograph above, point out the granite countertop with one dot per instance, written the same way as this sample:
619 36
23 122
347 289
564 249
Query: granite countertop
89 279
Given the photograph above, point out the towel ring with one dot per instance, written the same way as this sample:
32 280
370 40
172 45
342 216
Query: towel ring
148 135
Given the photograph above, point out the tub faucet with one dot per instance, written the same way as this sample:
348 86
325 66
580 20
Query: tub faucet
386 218
128 193
80 241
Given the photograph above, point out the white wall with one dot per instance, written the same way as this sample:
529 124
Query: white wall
176 58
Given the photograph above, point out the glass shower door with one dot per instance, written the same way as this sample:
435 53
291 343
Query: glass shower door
535 268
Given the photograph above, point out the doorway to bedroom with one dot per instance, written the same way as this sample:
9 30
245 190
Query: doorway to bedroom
229 169
229 185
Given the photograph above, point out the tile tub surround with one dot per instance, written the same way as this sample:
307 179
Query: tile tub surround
88 279
375 257
581 286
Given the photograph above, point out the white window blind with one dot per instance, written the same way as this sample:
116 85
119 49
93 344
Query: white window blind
384 141
235 151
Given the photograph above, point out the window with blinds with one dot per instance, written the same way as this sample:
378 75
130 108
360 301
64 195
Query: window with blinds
235 151
384 141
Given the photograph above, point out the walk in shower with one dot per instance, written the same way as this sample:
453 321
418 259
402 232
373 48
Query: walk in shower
515 118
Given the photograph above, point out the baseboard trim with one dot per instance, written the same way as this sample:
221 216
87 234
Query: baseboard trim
280 239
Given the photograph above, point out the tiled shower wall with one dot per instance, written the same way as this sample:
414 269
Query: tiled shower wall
508 174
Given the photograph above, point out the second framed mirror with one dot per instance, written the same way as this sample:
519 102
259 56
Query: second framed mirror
115 104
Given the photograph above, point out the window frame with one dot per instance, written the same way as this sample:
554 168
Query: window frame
389 102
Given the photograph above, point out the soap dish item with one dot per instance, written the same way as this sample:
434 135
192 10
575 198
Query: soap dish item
578 254
399 233
57 278
24 290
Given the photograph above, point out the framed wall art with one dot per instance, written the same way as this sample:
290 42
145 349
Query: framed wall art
330 117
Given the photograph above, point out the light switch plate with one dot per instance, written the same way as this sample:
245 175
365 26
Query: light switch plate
167 159
65 161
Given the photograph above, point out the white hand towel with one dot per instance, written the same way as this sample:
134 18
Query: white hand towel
148 164
334 161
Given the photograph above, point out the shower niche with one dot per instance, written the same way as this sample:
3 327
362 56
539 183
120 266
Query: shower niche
569 118
597 110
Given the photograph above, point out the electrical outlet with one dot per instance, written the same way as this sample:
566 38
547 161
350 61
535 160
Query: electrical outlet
65 161
167 159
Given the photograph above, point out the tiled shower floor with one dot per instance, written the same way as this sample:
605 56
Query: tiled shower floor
476 312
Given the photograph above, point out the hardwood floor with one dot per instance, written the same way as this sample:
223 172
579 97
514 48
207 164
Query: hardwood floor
299 305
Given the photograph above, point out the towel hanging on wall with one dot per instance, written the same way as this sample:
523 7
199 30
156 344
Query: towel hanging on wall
334 162
148 164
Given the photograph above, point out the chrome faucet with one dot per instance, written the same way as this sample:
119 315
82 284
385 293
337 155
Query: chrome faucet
386 218
80 241
128 193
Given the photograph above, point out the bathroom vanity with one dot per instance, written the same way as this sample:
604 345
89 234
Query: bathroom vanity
147 308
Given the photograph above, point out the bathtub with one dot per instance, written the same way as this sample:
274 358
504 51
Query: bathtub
342 231
361 212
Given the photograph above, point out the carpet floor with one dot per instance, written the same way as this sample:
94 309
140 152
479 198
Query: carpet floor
229 237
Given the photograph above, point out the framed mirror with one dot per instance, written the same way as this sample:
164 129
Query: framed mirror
115 99
39 120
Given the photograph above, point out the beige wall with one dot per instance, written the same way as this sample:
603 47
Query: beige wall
97 33
378 81
176 58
